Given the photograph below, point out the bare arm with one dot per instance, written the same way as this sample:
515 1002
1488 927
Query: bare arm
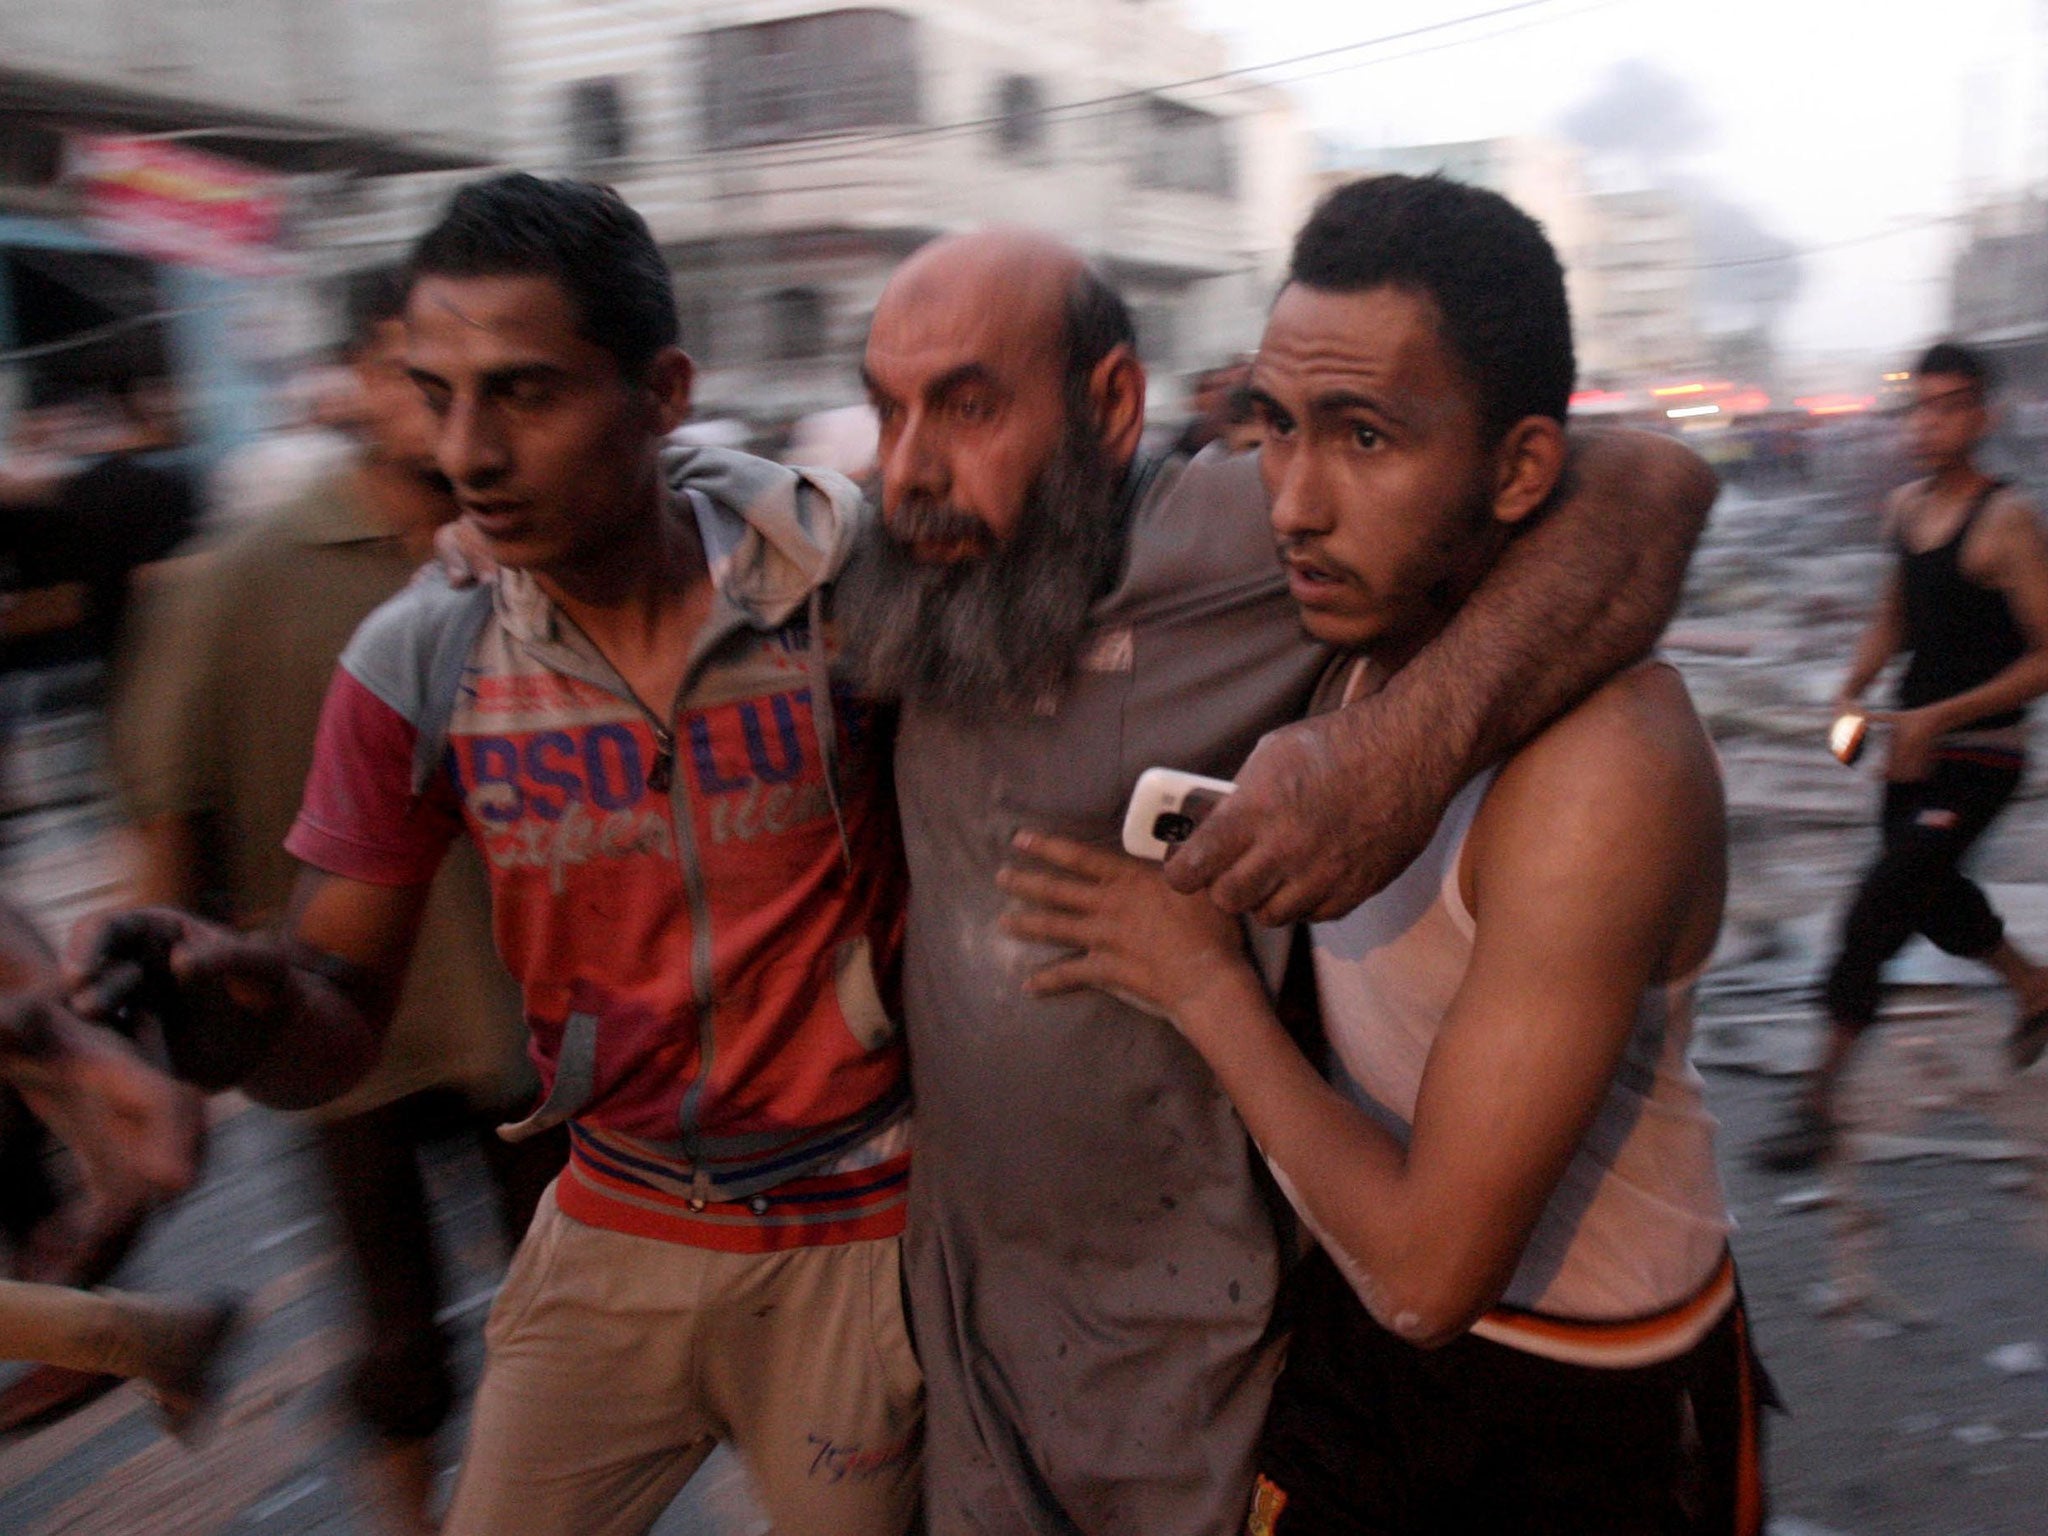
1329 810
167 862
1570 930
1879 642
293 1019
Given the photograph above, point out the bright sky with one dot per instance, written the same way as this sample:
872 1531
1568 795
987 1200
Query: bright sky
1833 120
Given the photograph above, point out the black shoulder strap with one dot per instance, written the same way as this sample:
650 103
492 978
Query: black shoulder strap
1970 518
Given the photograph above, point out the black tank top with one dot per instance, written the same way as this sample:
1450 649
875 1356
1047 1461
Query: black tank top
1961 633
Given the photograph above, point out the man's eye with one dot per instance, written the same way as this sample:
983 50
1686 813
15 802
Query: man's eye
1365 437
529 392
973 408
1279 424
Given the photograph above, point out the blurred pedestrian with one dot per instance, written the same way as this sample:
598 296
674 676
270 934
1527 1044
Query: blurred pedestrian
134 1137
214 740
81 548
322 408
1967 602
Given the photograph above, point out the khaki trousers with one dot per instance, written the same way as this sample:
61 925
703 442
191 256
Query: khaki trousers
615 1363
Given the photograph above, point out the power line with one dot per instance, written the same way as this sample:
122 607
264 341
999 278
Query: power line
1909 227
1528 25
844 147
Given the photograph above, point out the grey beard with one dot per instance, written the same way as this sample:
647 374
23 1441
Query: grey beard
1002 629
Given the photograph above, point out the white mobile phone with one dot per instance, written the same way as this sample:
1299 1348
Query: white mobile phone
1166 807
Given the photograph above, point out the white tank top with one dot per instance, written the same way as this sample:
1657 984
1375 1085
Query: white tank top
1636 1232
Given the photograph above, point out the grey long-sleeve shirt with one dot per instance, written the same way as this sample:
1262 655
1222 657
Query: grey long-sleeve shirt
1093 1252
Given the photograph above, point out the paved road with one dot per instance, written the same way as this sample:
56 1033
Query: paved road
1889 1295
281 1456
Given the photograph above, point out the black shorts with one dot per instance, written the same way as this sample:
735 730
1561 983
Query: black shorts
1371 1436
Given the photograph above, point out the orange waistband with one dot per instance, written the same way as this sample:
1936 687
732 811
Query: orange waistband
1617 1345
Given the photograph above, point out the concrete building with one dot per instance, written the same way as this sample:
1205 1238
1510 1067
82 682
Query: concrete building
1628 255
1640 321
1998 288
1540 175
316 93
789 154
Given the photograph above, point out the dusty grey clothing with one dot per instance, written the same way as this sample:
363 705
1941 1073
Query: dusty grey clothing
1093 1255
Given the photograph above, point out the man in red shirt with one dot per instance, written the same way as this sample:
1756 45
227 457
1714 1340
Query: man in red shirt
696 880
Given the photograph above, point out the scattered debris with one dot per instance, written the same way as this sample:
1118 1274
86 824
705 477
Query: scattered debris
2026 1358
1870 1147
1814 1199
1836 1298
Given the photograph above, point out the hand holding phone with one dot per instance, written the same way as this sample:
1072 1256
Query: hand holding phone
1166 807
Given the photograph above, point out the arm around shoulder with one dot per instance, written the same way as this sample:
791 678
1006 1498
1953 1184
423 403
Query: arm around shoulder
1331 809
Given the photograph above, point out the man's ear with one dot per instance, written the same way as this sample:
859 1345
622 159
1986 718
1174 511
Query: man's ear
1528 465
670 378
1116 391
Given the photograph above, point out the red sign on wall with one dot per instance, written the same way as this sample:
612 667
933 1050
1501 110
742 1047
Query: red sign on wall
175 204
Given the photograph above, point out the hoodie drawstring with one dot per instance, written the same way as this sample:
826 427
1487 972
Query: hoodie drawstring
824 722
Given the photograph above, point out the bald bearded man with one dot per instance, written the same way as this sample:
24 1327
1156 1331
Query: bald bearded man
1094 1251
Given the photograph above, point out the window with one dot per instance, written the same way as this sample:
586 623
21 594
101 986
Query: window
597 122
1020 117
1184 149
796 325
829 72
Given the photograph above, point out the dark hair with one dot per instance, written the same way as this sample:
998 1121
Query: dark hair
1098 322
575 233
1951 359
368 299
1495 281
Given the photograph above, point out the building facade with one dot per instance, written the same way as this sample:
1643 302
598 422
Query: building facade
788 154
296 101
1540 175
1641 323
1629 256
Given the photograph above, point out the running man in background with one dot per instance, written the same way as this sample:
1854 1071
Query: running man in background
1522 1316
1967 603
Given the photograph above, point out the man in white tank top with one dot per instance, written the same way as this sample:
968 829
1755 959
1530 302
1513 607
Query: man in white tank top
1523 1316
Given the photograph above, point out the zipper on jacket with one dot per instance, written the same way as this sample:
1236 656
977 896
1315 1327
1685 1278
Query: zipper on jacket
662 778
